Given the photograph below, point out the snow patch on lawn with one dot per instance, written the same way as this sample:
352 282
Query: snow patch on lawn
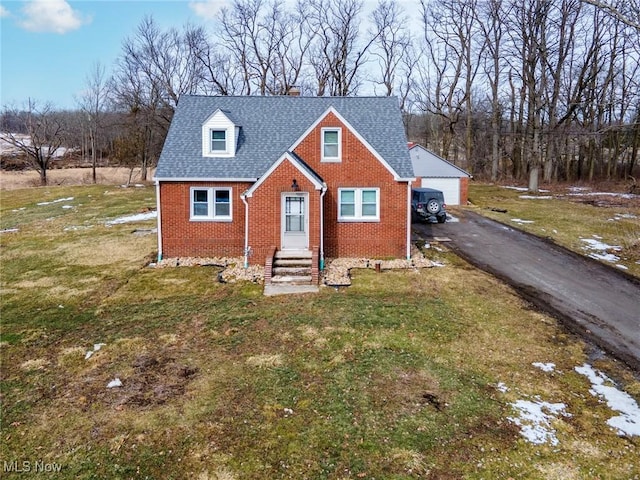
602 194
628 422
502 387
545 367
535 418
600 249
139 217
524 189
622 216
536 197
520 221
96 347
68 199
116 382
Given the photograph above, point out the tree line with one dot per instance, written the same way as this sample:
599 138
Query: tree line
529 90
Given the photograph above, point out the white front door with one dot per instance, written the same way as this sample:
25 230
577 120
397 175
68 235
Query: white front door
295 221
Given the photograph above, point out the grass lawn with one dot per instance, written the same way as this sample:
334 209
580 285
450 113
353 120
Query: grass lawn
405 374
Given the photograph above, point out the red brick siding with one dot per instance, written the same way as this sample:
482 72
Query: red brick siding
182 237
464 190
265 210
358 168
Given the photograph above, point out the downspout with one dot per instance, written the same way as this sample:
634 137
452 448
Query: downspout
246 230
159 221
324 191
409 220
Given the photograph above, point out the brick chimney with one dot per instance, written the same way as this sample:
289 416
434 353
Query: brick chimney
293 91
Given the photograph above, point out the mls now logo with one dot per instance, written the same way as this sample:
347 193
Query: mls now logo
27 466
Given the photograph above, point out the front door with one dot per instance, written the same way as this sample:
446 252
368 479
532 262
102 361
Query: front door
295 221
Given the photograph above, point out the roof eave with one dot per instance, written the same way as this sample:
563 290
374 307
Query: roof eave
204 179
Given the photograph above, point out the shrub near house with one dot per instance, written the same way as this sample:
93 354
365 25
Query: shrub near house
244 175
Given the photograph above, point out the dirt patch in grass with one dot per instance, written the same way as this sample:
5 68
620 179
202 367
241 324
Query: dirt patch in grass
408 392
146 381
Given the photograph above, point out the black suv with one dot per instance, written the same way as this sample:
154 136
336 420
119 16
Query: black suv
428 205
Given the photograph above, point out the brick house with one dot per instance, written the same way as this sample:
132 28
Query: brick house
250 176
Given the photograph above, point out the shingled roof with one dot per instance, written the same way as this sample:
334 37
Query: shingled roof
269 126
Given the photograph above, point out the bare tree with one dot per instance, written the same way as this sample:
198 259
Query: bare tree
219 73
491 21
45 130
625 11
92 103
391 44
337 54
154 69
449 27
267 42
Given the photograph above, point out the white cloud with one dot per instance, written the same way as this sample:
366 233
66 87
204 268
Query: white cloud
55 16
3 12
207 9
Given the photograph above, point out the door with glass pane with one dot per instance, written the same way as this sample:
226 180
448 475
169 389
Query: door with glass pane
295 221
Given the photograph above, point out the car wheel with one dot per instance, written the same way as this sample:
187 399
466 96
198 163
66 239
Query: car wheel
433 206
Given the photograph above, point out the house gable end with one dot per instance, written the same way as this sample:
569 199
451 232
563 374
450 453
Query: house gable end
332 111
291 158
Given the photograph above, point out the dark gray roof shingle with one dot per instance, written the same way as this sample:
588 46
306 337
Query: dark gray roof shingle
269 126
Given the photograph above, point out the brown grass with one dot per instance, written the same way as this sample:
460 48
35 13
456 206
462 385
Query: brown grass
12 180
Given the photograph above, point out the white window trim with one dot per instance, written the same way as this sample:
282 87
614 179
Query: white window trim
226 141
228 138
331 159
358 217
211 216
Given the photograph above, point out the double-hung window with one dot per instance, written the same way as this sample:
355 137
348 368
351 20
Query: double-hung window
331 144
359 204
209 203
218 141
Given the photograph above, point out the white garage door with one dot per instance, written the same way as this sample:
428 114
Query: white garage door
449 186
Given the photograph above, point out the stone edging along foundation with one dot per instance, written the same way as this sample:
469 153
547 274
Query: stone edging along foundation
336 272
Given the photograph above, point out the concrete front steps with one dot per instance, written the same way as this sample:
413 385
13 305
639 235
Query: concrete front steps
292 267
291 271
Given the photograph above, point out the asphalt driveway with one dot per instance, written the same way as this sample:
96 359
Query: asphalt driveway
590 298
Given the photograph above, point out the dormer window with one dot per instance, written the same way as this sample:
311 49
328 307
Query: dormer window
218 141
331 145
219 135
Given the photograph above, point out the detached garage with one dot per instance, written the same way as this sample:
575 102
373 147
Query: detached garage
435 172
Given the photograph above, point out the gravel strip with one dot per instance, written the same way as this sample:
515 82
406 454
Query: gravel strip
336 273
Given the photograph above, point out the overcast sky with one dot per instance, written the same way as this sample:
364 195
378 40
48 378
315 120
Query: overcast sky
48 47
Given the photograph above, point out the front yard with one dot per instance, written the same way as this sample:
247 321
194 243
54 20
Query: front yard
113 369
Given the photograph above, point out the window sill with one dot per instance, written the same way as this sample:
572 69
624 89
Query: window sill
358 220
210 219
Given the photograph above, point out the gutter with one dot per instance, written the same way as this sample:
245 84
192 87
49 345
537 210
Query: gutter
159 220
324 191
246 229
409 220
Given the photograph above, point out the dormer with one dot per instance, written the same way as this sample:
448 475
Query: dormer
219 135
